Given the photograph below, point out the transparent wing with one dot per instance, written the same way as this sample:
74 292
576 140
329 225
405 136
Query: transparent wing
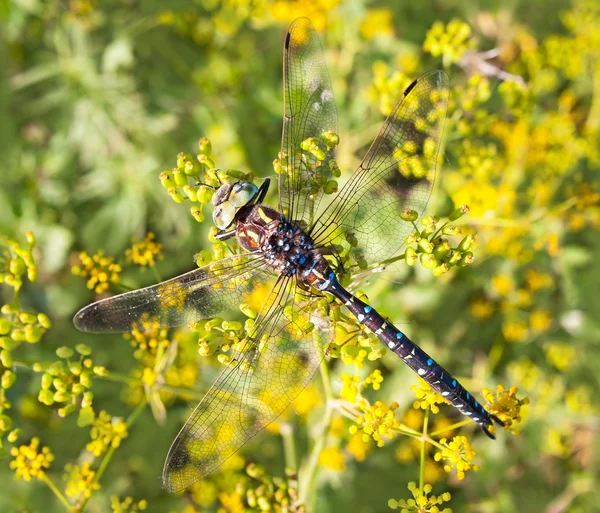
397 172
278 361
199 294
309 111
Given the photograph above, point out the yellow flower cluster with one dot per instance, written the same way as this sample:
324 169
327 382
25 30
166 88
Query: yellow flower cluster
68 380
80 481
560 355
106 432
421 502
30 461
377 421
457 454
144 253
261 492
127 505
317 10
451 41
431 248
377 22
100 271
16 261
505 405
427 397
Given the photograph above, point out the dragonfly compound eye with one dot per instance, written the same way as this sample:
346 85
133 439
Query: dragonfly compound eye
224 214
242 194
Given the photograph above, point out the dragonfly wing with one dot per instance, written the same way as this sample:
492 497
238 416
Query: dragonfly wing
199 294
397 172
278 361
309 111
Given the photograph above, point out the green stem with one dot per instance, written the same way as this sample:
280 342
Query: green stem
156 273
289 446
128 380
310 471
56 492
423 440
109 454
453 426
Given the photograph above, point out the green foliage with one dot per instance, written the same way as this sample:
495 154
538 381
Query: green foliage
98 98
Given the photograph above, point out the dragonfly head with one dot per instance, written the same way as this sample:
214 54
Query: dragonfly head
229 199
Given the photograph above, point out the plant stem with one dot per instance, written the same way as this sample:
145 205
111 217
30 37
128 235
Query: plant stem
423 440
310 470
453 426
56 491
156 273
289 446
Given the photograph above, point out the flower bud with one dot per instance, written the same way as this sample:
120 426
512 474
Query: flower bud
174 193
428 220
334 168
205 194
409 215
458 213
441 269
64 352
44 321
411 256
5 326
205 146
179 177
277 166
331 186
466 243
466 259
426 245
428 261
6 358
30 239
8 379
190 192
206 161
248 311
412 238
33 333
197 213
441 249
330 138
451 230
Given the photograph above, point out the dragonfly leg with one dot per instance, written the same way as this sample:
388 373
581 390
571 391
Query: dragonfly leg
225 234
262 191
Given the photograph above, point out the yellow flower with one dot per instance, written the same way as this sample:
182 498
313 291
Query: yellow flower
377 421
540 321
332 457
560 355
502 284
145 252
482 309
515 331
316 10
377 22
505 405
127 505
537 281
308 399
29 461
80 482
427 397
457 454
106 432
350 388
358 447
421 502
450 41
99 269
374 379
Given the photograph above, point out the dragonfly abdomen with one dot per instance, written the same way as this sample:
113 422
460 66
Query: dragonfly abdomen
417 359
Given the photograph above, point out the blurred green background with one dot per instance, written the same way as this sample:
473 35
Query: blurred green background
97 98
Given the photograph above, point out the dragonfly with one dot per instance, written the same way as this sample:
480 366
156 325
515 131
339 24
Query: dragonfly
289 248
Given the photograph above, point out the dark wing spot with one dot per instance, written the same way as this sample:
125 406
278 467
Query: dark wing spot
410 87
287 40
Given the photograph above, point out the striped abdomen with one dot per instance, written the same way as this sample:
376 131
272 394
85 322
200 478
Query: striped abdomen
417 359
